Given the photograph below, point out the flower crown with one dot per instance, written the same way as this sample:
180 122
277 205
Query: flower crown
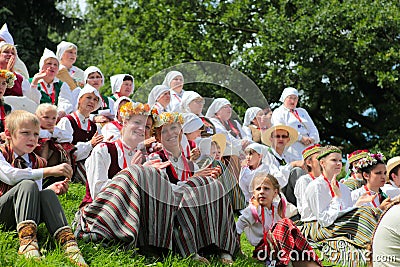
9 76
368 160
168 118
136 108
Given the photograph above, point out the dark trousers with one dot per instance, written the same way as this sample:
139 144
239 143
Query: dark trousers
25 202
288 190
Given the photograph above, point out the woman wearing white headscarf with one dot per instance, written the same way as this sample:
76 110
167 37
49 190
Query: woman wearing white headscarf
122 85
112 130
256 122
83 133
95 78
67 53
288 114
51 89
19 65
220 112
174 80
159 98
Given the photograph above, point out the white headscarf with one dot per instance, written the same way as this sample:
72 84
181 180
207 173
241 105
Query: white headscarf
64 46
117 103
260 149
87 89
155 93
47 54
117 80
6 35
90 70
188 97
170 76
287 92
251 113
216 105
192 122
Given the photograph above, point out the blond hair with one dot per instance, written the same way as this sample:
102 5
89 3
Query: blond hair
44 107
259 179
17 117
5 47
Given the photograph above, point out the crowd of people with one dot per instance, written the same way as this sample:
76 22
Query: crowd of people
162 177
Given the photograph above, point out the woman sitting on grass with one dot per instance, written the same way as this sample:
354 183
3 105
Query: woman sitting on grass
340 230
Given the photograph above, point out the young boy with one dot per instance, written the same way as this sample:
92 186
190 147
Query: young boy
54 145
22 204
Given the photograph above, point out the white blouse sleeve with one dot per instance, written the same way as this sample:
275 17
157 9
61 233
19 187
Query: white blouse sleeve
30 92
109 130
65 99
97 165
312 129
246 219
61 136
322 205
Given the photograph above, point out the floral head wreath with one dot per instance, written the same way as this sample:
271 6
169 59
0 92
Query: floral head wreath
136 108
9 76
168 118
368 160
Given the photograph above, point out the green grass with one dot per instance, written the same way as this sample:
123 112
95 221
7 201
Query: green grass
97 254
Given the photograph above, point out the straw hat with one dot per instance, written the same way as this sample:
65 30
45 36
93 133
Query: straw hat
391 164
220 139
293 135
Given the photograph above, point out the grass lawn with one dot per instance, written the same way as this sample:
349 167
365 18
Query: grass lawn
97 254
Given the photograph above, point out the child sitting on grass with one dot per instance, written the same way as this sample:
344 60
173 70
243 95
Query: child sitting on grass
276 238
54 145
22 204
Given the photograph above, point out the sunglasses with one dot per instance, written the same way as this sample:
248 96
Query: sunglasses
280 136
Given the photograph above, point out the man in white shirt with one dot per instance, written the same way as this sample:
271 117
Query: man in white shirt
279 138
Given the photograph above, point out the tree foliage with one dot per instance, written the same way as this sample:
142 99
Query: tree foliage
30 23
343 55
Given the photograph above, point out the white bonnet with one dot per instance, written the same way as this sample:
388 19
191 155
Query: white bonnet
117 80
155 93
6 35
170 76
192 122
87 89
117 103
64 46
188 96
47 53
90 70
250 114
216 105
287 92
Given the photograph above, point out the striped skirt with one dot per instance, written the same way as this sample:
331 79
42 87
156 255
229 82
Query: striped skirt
230 181
345 241
204 217
140 207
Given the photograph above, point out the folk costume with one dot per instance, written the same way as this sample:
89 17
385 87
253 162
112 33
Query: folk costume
154 95
269 233
176 98
252 132
113 128
287 175
298 119
80 131
334 225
